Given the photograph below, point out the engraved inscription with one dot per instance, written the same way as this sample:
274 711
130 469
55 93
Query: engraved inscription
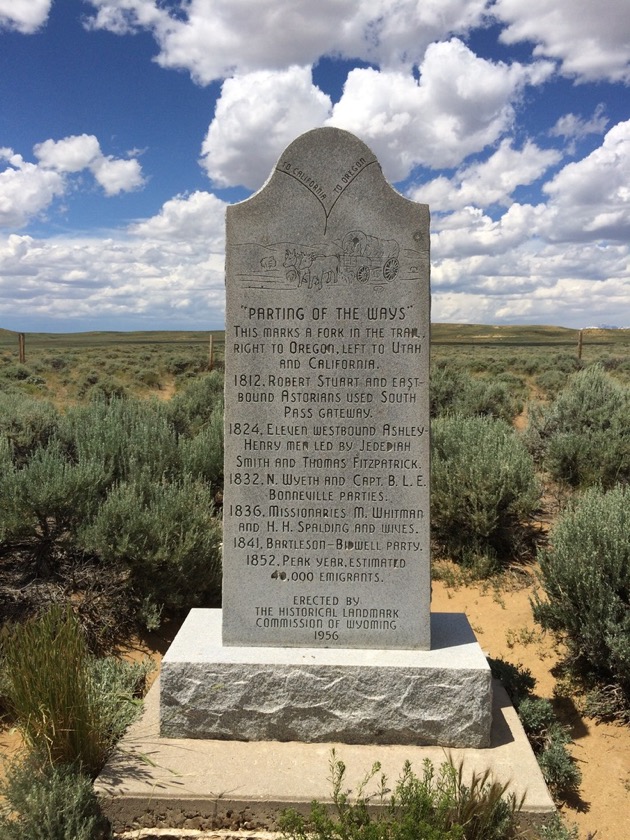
326 469
356 258
317 185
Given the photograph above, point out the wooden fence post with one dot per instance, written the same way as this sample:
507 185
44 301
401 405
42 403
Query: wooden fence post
580 345
211 354
22 348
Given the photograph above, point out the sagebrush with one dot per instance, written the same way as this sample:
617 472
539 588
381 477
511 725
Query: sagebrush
582 438
112 505
483 489
55 802
585 578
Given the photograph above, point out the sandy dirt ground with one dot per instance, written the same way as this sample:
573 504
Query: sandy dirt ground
10 745
503 623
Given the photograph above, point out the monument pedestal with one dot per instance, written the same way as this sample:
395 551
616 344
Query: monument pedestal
438 697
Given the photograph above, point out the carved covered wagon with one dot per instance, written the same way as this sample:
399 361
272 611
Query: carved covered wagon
368 259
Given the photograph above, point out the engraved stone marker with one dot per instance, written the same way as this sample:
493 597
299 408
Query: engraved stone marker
324 632
326 504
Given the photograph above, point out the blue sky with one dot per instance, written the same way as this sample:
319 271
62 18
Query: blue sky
126 126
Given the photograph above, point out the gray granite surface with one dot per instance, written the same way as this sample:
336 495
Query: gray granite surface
442 696
326 506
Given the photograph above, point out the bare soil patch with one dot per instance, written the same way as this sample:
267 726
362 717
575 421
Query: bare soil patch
167 389
503 623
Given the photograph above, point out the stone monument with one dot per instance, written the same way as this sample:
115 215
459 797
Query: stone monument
326 516
325 632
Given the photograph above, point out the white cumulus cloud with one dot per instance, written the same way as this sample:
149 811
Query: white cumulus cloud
490 182
533 282
565 260
471 232
227 37
256 117
72 154
25 16
425 100
589 38
573 127
192 218
27 189
167 270
117 175
590 199
460 105
587 212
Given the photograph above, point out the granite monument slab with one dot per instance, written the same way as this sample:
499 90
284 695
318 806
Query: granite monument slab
326 499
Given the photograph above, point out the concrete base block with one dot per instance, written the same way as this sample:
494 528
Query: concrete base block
191 783
442 696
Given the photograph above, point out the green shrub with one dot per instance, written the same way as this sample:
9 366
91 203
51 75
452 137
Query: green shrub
565 362
16 371
549 739
555 829
113 466
481 365
191 409
69 709
454 392
547 736
491 399
166 535
585 575
7 519
57 362
537 716
202 455
583 437
607 702
529 365
447 383
48 498
483 488
148 377
36 380
434 807
107 388
49 803
550 382
27 423
118 686
87 381
559 770
179 364
609 362
624 367
126 437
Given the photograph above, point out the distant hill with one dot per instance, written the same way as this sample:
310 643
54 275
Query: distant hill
473 334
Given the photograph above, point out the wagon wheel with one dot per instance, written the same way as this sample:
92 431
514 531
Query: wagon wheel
363 274
292 275
391 268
